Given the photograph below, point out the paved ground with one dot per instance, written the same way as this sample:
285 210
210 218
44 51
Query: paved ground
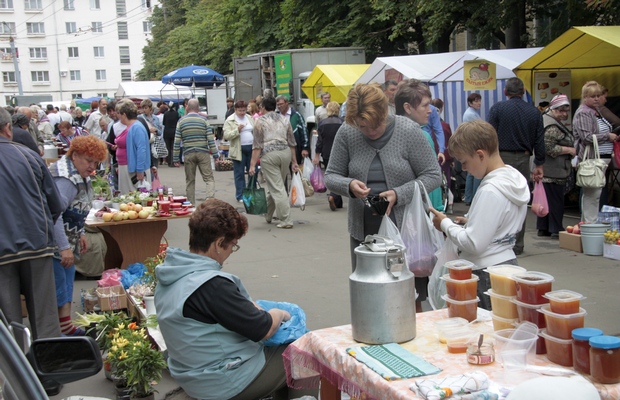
310 264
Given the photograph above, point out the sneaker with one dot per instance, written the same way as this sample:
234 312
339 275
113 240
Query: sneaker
332 203
239 201
283 225
543 233
77 332
555 236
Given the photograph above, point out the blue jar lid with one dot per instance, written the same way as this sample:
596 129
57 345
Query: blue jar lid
605 342
586 333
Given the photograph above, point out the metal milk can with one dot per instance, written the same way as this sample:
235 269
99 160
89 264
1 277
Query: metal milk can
382 293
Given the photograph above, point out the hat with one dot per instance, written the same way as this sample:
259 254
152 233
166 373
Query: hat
171 104
559 101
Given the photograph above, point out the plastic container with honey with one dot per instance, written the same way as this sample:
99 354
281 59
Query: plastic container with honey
502 305
500 323
501 283
483 355
605 359
445 327
531 286
460 269
461 290
564 301
581 348
559 351
459 341
467 309
561 325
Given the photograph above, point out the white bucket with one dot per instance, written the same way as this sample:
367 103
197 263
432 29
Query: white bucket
592 238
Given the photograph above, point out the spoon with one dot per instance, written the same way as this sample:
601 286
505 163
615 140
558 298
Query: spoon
480 340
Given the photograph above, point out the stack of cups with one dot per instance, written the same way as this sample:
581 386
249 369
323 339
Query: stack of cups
461 288
562 315
503 291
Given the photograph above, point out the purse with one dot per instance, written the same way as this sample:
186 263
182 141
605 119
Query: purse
591 171
254 198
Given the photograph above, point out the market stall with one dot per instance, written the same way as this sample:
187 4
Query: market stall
336 79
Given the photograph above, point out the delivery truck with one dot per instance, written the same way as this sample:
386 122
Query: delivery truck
284 71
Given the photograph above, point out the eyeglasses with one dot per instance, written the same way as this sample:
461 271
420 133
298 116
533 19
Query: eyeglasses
235 247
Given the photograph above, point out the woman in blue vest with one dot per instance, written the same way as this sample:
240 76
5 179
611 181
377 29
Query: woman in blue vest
213 329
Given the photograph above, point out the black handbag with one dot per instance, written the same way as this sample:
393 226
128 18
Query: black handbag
254 198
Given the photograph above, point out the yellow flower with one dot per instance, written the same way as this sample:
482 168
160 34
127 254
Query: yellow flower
113 349
123 355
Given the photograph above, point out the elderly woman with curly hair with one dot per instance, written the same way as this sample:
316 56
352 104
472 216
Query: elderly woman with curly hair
72 177
212 327
133 152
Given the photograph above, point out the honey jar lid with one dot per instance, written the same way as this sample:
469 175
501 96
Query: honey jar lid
605 342
585 333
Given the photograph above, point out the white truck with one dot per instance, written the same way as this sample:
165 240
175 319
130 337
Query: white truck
284 71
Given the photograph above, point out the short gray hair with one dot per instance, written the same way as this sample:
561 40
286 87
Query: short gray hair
193 105
282 97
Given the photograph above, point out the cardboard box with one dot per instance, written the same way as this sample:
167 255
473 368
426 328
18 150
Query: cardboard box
611 251
570 241
112 298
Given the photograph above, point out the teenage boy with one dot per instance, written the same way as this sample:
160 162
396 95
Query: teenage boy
488 233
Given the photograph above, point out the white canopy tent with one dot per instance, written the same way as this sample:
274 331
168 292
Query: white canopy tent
443 72
154 90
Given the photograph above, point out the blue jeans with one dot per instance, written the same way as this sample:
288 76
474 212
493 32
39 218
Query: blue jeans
63 278
471 185
239 168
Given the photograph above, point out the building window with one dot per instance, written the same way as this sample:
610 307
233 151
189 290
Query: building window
146 3
69 5
122 30
33 5
40 76
6 4
121 8
102 95
76 96
99 53
97 27
95 5
147 26
7 28
125 75
75 75
38 53
9 77
7 54
71 27
73 52
100 75
124 53
35 28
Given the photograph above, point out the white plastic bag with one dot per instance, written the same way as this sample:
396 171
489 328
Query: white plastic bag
436 286
419 235
143 184
389 229
307 168
296 196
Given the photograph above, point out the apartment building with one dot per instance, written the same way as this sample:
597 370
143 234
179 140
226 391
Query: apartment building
71 48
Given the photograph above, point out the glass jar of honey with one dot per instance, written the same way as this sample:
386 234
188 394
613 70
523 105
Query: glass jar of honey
581 348
605 359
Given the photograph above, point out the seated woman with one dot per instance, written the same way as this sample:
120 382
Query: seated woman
212 327
68 132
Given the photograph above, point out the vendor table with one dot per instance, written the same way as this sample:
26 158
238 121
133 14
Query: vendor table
324 352
132 240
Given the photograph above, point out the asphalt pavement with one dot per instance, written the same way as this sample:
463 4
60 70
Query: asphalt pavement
309 265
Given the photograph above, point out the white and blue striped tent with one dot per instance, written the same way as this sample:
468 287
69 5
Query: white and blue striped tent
443 72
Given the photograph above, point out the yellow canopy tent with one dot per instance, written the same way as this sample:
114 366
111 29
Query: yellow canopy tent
590 52
335 79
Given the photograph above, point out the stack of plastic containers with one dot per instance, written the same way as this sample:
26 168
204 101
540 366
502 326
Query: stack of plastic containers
562 316
461 287
502 292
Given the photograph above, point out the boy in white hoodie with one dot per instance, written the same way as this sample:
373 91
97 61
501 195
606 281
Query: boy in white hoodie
488 233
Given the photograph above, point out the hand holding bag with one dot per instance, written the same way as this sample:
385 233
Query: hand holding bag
591 171
540 206
254 198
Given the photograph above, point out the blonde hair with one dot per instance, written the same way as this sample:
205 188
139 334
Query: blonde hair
333 108
590 88
472 136
367 102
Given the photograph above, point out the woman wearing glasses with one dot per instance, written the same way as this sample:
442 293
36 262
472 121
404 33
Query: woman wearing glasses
72 177
213 329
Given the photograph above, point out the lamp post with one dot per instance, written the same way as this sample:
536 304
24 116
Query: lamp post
18 76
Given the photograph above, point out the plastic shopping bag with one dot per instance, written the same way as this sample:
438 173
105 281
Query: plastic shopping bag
389 230
290 330
419 235
296 195
156 184
307 168
540 207
317 179
436 286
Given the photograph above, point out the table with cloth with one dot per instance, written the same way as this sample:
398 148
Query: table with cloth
321 356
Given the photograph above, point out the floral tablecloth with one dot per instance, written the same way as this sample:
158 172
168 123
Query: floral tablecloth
322 353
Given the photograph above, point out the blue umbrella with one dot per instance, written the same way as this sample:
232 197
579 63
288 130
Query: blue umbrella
194 75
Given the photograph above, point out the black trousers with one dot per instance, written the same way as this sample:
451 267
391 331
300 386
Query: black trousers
552 222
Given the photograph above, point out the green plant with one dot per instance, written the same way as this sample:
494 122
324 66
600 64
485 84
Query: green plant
108 327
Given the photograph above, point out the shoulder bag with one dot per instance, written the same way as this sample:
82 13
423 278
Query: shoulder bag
591 171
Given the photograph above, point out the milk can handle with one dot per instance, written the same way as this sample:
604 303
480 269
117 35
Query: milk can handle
389 265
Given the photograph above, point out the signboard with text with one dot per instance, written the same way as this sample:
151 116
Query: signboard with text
284 74
479 75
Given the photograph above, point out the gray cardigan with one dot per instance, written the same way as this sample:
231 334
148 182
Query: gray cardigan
406 157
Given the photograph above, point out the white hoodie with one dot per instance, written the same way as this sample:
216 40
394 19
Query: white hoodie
494 219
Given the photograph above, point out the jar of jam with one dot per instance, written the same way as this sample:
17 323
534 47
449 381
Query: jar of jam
605 359
483 355
581 348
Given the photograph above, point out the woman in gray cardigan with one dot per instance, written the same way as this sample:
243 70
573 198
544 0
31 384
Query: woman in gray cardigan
377 154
